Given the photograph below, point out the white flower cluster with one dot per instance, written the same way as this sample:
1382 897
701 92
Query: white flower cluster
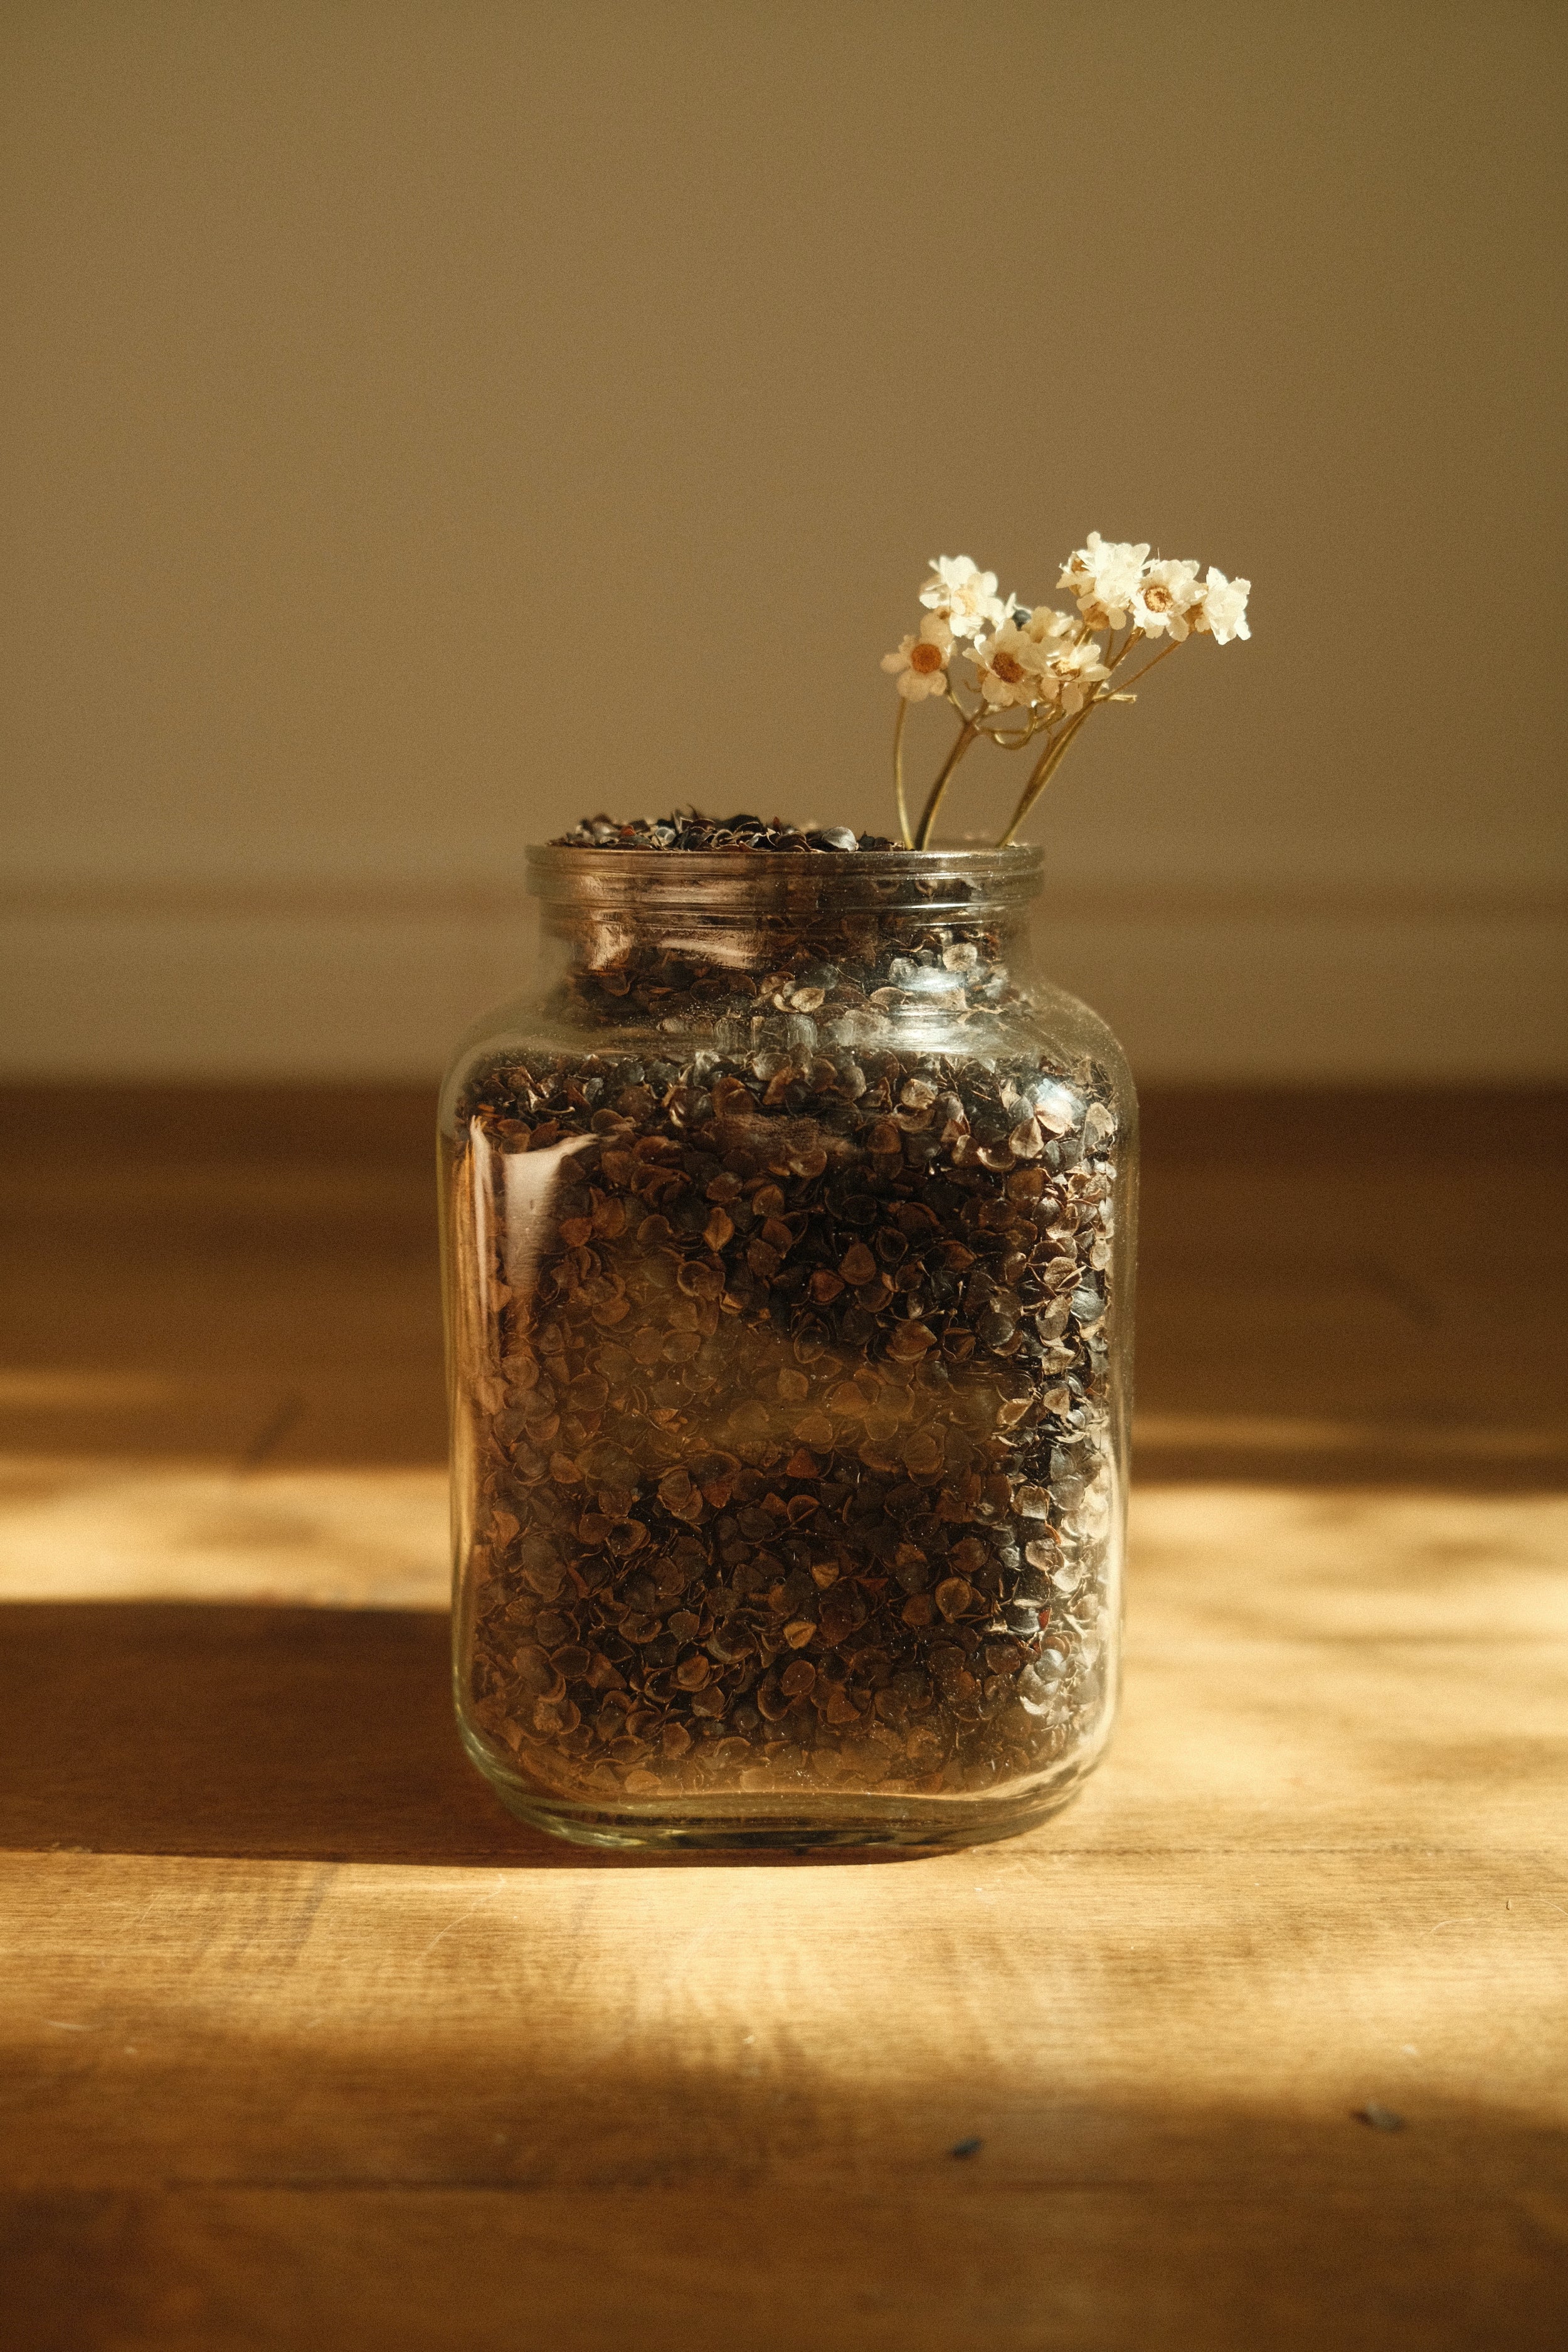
1042 660
964 596
1040 672
1115 583
1032 661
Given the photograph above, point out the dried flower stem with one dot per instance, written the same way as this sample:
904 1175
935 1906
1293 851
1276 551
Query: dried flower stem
1148 666
1050 761
904 833
967 736
1044 770
1114 661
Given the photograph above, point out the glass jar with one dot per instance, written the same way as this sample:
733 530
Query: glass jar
789 1244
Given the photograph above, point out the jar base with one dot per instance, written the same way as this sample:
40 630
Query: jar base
751 1824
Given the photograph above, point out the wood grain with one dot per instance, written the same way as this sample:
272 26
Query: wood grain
305 2042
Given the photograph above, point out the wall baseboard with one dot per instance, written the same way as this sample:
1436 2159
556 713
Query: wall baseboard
296 981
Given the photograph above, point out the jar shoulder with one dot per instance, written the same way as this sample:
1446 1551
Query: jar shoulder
1046 1025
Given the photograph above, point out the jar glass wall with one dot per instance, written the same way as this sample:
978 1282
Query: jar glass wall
789 1233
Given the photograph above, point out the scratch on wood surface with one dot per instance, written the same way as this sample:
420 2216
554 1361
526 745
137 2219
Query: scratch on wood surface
463 1916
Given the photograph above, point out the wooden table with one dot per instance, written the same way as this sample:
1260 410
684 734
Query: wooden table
307 2044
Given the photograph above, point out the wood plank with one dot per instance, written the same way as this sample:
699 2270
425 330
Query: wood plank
472 2101
118 1528
1182 2020
1085 2270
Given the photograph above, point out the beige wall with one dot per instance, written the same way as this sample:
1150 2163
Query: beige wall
429 422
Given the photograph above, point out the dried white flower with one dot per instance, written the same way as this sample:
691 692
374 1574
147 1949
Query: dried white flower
1104 575
1010 667
1164 597
920 665
1078 668
1047 625
963 595
1223 608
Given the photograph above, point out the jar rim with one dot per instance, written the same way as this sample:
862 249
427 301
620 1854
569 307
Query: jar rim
887 880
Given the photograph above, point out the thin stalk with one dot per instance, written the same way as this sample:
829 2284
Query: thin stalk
899 772
1052 759
1148 666
991 723
1115 660
966 735
1045 768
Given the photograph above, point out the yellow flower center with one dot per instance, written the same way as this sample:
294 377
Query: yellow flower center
925 657
1159 599
1008 668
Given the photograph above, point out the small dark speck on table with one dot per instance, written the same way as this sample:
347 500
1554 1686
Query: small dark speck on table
1380 2118
967 2148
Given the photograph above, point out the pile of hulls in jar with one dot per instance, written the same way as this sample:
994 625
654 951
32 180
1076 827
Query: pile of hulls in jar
789 1399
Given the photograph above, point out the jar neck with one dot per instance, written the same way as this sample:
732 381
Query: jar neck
834 947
